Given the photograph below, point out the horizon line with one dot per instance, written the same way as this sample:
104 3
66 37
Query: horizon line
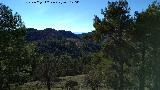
59 30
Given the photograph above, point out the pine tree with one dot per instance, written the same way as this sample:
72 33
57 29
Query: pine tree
115 28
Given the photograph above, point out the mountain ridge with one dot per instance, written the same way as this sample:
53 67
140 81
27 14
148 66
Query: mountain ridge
61 41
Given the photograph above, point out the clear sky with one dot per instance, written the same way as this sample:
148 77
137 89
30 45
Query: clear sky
75 17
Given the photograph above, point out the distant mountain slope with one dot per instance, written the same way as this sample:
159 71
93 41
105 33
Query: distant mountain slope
48 34
64 43
61 42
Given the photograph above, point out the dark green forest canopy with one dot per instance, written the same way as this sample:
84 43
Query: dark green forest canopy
122 53
51 40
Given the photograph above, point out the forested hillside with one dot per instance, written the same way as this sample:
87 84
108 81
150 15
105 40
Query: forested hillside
61 42
121 53
49 34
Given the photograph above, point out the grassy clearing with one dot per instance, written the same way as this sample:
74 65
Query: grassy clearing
57 86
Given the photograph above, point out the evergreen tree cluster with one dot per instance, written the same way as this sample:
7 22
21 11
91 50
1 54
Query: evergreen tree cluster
122 53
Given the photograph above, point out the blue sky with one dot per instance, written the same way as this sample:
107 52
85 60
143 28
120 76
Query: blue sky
75 17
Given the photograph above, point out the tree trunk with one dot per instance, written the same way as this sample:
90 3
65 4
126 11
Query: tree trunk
141 83
121 76
93 88
142 69
156 82
48 83
156 72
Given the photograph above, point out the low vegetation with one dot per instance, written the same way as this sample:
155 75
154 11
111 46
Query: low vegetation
122 53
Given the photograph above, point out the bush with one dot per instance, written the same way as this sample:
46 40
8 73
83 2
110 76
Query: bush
71 85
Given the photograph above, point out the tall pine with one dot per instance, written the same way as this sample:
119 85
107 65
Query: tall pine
114 29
